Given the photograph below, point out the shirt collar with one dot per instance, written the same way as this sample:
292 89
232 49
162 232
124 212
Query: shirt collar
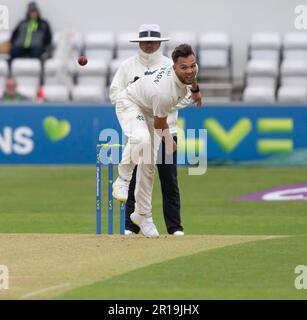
177 81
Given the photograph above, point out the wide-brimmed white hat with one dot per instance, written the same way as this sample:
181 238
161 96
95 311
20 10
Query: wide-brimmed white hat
149 32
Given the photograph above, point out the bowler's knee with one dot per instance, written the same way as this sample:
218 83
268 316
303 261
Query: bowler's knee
140 137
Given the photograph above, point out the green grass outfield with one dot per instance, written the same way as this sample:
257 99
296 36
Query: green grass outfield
61 200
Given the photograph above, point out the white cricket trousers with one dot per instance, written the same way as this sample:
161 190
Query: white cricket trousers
141 149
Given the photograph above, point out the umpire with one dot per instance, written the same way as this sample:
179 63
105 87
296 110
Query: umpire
147 60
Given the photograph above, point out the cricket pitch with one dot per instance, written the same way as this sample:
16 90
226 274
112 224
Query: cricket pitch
42 266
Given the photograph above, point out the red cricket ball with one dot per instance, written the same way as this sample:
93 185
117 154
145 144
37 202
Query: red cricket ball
82 60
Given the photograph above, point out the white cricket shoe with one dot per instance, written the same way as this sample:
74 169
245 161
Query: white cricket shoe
146 225
120 189
178 233
129 233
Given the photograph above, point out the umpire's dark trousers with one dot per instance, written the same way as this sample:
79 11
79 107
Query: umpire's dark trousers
170 194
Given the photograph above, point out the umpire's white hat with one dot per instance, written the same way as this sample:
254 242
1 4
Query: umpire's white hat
149 32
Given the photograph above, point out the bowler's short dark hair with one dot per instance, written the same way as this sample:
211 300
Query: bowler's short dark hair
183 50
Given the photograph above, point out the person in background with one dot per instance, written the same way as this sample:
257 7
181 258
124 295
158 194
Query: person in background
32 36
11 94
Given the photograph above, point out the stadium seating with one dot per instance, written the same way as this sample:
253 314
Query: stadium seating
264 46
295 46
99 46
215 66
293 70
124 48
214 53
30 92
5 36
259 94
56 93
276 67
262 69
179 37
88 94
95 73
54 71
4 71
114 65
262 72
292 94
62 41
27 71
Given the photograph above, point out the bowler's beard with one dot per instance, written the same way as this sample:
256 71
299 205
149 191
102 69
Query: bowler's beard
184 81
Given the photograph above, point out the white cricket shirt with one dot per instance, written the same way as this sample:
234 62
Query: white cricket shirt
139 65
157 94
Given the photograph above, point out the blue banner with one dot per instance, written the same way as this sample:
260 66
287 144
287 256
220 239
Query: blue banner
47 134
272 133
52 134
